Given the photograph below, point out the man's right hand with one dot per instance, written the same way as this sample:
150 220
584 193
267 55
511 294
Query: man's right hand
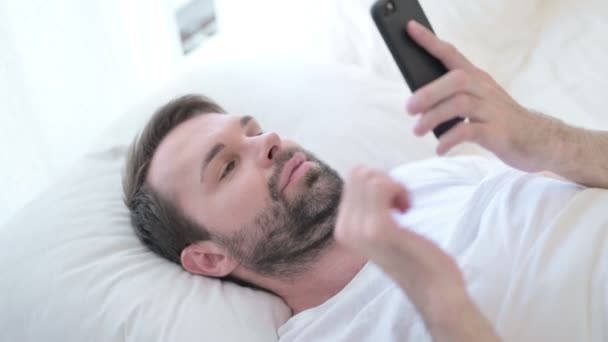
523 139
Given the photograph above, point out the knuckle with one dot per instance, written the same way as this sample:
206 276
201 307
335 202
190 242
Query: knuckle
372 173
463 103
448 48
375 182
380 181
369 172
461 78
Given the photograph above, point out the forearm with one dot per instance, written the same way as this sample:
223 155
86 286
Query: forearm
460 323
581 156
438 293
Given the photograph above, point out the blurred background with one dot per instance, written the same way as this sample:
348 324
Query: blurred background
68 68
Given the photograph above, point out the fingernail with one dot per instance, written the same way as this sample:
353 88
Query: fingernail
440 151
411 105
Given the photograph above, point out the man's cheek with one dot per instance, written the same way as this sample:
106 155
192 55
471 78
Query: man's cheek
247 200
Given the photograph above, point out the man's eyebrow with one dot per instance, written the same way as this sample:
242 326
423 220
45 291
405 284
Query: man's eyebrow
209 157
245 120
219 147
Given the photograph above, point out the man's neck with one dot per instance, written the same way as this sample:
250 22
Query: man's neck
334 269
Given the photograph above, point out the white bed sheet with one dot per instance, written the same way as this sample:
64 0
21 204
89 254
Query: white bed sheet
566 73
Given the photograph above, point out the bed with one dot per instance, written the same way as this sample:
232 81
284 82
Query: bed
317 71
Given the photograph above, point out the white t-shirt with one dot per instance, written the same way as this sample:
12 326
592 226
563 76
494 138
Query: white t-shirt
533 250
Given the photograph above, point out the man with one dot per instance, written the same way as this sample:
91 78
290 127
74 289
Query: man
217 195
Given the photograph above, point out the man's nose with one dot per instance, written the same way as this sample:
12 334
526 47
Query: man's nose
269 146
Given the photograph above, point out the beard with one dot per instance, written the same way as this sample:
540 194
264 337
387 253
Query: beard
290 233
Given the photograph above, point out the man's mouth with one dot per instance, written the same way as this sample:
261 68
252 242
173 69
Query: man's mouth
293 170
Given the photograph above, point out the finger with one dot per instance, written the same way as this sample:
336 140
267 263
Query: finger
361 191
444 51
356 181
385 194
453 107
401 200
463 132
456 81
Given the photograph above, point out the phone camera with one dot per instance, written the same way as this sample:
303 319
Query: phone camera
390 7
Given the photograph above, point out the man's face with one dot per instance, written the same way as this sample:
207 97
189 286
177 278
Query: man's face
269 203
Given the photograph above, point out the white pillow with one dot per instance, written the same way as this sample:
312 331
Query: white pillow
344 114
71 268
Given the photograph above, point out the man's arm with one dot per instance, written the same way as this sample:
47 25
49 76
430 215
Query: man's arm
430 277
582 157
524 139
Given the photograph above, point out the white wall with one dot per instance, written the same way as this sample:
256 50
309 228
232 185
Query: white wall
67 69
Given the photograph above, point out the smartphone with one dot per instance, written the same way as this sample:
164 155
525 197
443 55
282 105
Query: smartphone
417 65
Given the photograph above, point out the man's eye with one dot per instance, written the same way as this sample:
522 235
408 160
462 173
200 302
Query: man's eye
229 168
261 132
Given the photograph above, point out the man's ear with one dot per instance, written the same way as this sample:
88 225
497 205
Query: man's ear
207 258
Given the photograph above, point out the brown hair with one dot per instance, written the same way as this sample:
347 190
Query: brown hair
157 222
